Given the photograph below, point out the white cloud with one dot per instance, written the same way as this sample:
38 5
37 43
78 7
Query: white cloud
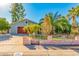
4 7
4 11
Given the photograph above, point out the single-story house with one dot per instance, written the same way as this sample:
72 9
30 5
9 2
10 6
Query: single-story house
17 27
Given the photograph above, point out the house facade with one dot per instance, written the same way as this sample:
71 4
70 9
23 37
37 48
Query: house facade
18 27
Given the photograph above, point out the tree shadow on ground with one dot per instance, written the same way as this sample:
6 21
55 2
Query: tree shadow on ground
5 37
47 47
55 47
76 49
31 47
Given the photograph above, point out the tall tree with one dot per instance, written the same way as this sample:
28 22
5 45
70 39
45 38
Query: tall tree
17 12
73 13
53 18
4 25
62 25
46 25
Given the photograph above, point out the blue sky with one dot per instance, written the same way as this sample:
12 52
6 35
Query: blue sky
36 11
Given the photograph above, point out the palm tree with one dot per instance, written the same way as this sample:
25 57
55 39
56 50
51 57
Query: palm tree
73 13
53 18
46 26
52 15
62 25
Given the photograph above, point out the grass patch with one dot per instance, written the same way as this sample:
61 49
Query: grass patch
40 37
57 38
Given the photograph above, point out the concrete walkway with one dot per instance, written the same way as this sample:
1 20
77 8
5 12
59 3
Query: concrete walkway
15 45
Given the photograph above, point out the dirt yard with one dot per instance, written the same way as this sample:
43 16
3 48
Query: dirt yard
15 45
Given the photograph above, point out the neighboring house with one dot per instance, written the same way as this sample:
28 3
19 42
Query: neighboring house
17 27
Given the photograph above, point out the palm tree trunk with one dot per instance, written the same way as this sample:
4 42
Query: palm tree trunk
74 28
73 21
